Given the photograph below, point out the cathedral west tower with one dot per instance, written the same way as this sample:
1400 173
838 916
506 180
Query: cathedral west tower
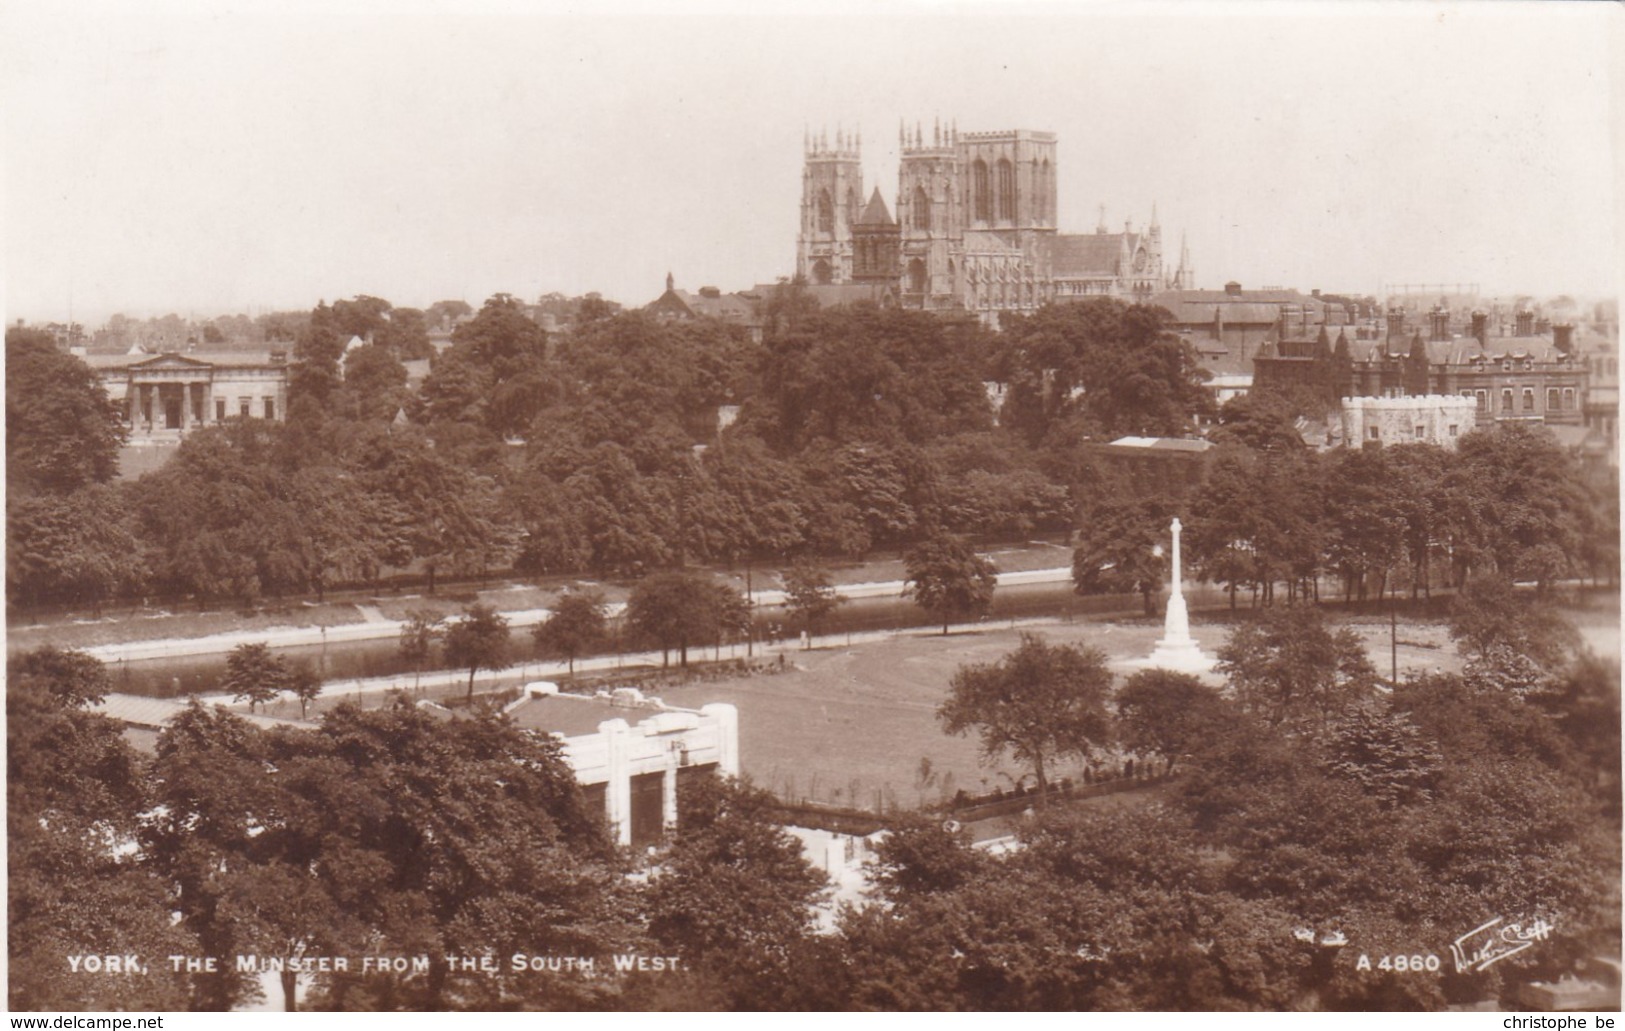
831 195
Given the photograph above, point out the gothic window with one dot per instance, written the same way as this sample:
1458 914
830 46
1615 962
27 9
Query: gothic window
821 273
982 191
922 209
1046 193
851 207
916 276
1007 191
826 212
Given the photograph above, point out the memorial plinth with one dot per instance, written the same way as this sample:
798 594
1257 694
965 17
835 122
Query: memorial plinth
1178 650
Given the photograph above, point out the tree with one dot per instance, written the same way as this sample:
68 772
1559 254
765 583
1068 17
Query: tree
254 673
385 829
405 334
1489 613
315 373
922 854
1526 501
305 683
675 609
374 382
1289 665
418 636
62 431
76 884
948 578
576 626
1041 703
810 595
1385 753
1120 550
732 893
1167 713
75 547
477 641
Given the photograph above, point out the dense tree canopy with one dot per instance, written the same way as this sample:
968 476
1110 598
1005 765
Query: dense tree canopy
62 432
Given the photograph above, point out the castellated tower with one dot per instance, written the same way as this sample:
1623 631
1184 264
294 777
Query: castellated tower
831 199
1009 180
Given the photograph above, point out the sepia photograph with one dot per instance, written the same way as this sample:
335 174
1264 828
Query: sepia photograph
866 507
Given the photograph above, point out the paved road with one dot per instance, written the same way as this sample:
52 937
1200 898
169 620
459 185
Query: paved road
377 628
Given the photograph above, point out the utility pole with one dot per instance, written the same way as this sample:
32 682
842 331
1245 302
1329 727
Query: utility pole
1393 632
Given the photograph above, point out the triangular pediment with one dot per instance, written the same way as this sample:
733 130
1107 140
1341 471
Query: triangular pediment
171 361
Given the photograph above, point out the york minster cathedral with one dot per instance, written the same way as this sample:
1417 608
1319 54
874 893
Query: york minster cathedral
975 228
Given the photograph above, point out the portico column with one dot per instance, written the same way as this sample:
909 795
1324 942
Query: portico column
186 402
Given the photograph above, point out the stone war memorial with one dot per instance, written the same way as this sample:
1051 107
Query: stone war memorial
1177 650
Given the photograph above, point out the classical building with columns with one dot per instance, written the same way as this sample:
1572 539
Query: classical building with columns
165 395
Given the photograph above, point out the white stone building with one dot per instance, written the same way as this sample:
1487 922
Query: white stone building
1427 419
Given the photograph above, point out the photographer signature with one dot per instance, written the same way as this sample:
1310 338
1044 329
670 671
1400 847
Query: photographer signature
1489 943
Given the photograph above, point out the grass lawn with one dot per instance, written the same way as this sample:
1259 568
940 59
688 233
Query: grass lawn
846 725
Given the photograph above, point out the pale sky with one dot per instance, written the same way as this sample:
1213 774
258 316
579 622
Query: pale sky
207 158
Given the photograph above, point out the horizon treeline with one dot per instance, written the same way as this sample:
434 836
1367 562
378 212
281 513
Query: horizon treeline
602 450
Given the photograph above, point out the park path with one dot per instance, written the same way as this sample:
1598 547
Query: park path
377 627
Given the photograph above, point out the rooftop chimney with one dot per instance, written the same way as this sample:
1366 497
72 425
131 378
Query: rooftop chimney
1396 323
1525 324
1481 327
1233 288
1563 338
1439 324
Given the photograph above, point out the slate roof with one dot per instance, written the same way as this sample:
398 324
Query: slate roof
229 359
1088 254
728 307
574 715
875 214
1250 307
1462 350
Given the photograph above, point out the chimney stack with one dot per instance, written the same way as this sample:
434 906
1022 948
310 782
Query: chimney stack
1396 323
1563 338
1525 324
1439 324
1481 327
